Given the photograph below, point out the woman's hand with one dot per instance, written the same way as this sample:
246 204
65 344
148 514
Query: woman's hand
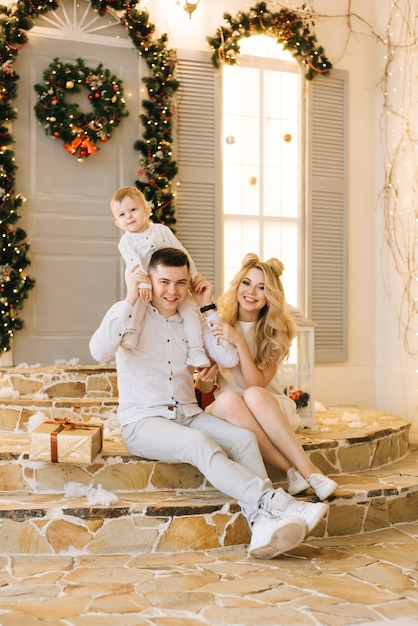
206 378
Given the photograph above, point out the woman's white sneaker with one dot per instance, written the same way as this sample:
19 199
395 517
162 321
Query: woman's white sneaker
272 536
322 485
297 482
283 505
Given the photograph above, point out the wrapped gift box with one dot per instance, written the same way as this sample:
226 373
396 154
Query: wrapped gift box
64 441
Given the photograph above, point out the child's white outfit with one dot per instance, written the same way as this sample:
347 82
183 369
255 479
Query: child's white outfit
137 249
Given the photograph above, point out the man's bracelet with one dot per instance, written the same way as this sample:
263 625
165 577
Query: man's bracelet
208 307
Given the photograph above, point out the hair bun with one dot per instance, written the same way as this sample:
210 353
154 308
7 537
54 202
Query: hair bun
276 265
251 257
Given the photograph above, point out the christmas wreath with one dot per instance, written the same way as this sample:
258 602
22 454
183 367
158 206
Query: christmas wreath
288 28
61 118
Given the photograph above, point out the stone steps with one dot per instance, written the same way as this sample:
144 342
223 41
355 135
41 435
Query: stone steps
197 518
124 504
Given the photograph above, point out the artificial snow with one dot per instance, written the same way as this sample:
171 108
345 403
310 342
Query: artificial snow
94 495
349 417
35 420
111 426
74 361
8 392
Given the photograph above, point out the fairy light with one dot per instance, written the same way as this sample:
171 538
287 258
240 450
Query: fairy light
399 198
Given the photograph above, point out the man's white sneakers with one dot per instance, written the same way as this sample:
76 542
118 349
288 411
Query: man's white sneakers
272 536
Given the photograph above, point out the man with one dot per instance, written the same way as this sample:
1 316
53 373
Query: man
159 415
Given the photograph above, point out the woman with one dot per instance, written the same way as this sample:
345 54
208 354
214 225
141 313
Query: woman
255 318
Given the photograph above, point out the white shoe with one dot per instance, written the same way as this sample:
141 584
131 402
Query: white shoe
285 506
272 536
130 339
198 358
297 482
322 485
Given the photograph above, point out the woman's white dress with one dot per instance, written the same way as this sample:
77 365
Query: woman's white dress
232 378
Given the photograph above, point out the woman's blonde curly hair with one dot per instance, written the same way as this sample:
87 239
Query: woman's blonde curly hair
274 329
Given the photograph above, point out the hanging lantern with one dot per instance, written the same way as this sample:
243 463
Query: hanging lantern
188 5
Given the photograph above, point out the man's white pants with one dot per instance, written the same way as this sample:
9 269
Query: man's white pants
228 456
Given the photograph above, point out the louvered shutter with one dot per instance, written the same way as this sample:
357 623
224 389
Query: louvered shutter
326 211
198 224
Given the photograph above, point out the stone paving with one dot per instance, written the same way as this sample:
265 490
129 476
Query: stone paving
365 579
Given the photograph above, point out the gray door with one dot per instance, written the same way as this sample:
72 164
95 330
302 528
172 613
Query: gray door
73 253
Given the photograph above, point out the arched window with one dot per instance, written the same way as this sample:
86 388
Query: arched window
308 229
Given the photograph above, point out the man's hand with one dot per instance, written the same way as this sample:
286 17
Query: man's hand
133 277
144 286
202 290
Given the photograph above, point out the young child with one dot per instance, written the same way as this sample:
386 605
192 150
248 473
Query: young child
140 239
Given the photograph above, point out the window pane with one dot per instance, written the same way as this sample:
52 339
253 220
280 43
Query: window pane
261 149
281 241
264 46
250 89
280 193
241 237
232 189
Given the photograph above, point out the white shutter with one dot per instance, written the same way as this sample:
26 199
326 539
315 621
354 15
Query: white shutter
326 215
197 225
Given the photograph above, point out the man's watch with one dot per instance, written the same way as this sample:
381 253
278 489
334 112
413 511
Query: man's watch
208 307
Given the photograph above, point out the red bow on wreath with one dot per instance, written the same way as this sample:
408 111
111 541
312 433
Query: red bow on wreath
82 148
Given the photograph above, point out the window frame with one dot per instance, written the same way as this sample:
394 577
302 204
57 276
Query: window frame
323 229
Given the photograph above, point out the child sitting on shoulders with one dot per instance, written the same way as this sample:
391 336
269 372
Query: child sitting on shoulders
140 239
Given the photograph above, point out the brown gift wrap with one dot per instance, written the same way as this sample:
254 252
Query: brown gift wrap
64 441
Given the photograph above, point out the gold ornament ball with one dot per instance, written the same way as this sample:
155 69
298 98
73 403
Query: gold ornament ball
69 84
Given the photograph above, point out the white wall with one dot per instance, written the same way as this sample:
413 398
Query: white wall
396 336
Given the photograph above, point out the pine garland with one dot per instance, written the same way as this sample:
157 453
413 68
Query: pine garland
156 167
287 27
15 20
